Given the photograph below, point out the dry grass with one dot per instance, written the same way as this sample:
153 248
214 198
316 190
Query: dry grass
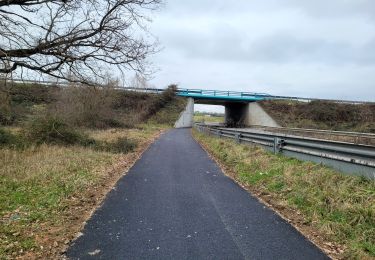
210 119
322 115
110 135
45 191
335 211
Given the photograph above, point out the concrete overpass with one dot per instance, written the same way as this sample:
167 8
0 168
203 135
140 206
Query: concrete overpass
241 108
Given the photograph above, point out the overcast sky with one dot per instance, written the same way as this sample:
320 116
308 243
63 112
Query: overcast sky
319 48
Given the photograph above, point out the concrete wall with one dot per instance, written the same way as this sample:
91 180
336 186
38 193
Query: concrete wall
187 116
257 116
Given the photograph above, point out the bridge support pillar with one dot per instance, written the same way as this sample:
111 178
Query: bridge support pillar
186 119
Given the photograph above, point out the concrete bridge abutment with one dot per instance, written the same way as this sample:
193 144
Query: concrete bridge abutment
186 119
237 114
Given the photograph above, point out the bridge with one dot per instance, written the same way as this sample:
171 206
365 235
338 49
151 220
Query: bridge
240 107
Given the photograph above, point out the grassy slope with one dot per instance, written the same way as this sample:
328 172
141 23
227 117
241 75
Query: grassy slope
47 191
322 115
341 208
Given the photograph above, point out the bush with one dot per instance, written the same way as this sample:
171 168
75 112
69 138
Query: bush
5 106
158 103
54 131
121 145
31 94
86 106
6 138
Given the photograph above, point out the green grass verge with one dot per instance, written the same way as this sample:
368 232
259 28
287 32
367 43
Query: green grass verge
40 185
35 184
208 119
341 207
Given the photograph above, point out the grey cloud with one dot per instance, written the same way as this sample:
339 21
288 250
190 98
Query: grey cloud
291 47
317 8
335 8
230 45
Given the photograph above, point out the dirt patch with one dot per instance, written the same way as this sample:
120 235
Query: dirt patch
292 216
54 238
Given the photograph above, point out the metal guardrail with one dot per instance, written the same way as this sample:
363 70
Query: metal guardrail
349 158
344 136
307 130
221 93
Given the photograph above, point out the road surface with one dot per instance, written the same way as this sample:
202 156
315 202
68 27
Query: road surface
175 203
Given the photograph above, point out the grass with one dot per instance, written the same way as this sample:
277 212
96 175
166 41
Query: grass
168 114
341 208
322 115
56 166
208 119
37 185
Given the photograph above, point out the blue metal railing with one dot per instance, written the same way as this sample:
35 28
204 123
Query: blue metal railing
220 94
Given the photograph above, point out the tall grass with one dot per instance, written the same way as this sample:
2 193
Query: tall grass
42 187
341 207
35 184
322 115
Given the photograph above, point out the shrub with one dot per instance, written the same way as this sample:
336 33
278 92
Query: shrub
121 145
158 103
6 138
5 106
54 131
86 106
29 94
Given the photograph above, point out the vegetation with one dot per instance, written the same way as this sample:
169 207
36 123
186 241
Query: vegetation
42 186
322 115
61 150
6 138
208 117
341 208
49 130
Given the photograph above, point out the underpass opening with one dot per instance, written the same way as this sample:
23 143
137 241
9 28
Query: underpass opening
211 114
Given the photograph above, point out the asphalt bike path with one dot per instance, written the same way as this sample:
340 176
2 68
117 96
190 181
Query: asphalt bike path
176 203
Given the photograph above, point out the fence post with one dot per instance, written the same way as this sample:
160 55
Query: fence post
278 144
238 138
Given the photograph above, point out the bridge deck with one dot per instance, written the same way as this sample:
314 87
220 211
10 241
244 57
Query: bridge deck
222 95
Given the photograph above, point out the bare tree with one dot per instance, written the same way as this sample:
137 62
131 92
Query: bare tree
74 40
139 81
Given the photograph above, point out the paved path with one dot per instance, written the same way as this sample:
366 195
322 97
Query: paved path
175 203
